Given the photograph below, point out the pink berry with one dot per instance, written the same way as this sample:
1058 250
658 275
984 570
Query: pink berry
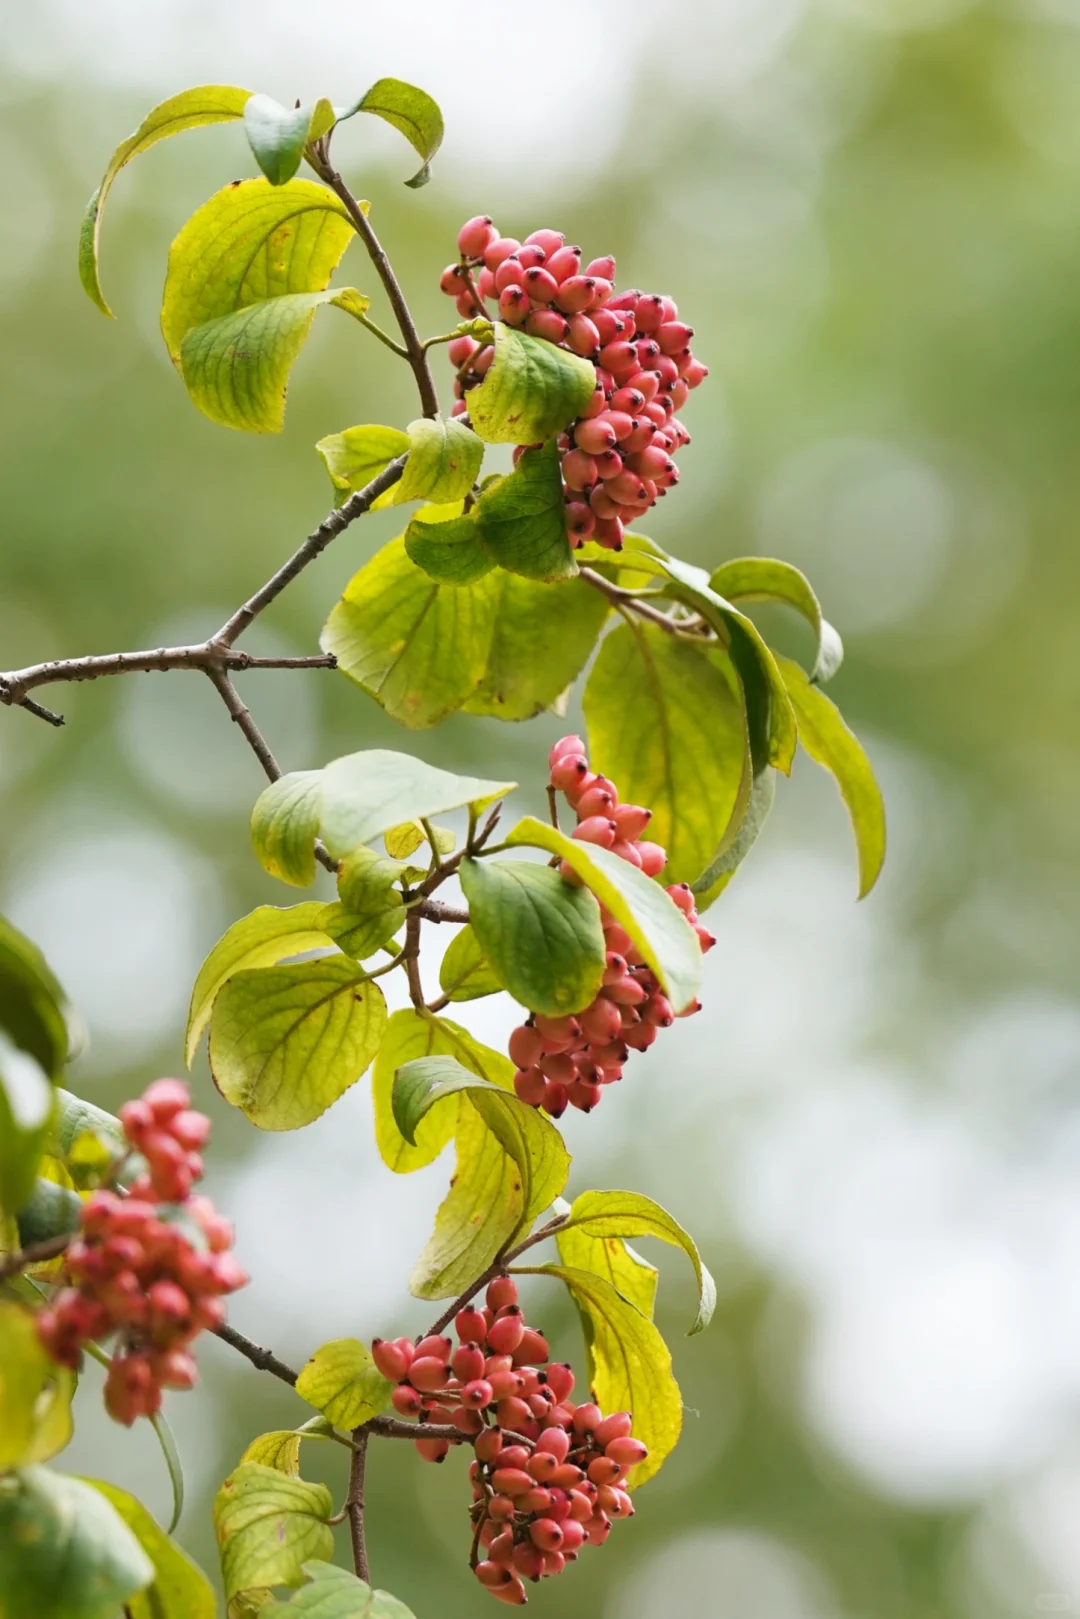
474 236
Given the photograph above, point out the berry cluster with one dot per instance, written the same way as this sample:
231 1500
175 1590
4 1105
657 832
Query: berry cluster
549 1476
570 1059
136 1272
617 458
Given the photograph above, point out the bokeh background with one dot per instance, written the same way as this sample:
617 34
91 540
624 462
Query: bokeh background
870 212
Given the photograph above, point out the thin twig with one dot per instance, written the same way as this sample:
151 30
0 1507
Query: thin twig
429 399
496 1268
241 715
263 1359
626 600
435 910
331 526
384 337
354 1504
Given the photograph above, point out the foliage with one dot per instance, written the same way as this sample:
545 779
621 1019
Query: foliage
487 603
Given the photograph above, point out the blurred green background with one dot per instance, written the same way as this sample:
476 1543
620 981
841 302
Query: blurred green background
870 212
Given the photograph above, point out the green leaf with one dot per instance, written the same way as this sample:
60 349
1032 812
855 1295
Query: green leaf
629 1364
49 1211
237 367
32 1004
665 720
261 939
362 936
410 111
410 1034
285 824
286 1042
612 1258
334 1593
365 794
765 579
450 552
207 104
65 1553
522 518
357 456
541 935
465 974
268 1525
542 640
35 1394
830 743
277 135
418 647
757 666
629 1214
716 876
342 1381
180 1589
535 1146
531 392
658 928
444 459
366 880
26 1117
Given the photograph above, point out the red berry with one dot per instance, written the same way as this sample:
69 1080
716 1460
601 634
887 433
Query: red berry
475 235
546 323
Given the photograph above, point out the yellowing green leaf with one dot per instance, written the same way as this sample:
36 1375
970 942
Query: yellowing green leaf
279 1449
342 1381
206 104
237 367
629 1365
261 939
286 1042
365 880
35 1394
357 456
612 1258
179 1589
665 720
522 518
766 579
268 1525
418 647
542 639
531 392
252 245
606 1215
402 841
464 973
830 743
658 928
67 1554
412 112
251 241
410 1034
51 1209
541 936
535 1146
444 459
